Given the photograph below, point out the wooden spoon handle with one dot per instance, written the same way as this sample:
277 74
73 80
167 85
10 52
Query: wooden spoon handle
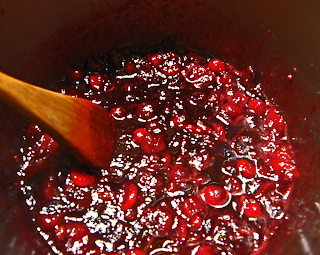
83 128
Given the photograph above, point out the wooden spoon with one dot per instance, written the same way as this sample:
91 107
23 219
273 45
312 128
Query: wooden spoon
84 129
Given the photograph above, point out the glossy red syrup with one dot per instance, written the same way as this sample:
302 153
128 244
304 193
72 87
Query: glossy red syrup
202 164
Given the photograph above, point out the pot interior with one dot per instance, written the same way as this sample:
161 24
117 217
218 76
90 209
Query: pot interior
39 41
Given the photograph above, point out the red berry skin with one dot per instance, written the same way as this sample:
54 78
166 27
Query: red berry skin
275 121
135 252
194 206
97 81
73 231
139 134
81 177
180 232
257 106
49 221
152 144
167 63
46 144
232 110
158 221
206 250
233 185
50 189
246 168
145 111
216 65
179 174
282 160
215 196
118 112
195 222
219 131
178 121
249 207
130 195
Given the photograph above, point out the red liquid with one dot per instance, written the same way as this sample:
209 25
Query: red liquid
202 165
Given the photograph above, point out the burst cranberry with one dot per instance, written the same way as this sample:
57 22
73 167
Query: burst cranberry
215 196
152 144
167 63
75 231
240 98
264 189
50 189
81 177
130 67
180 232
179 174
166 159
154 127
158 220
82 199
233 185
219 131
178 120
105 194
202 160
231 110
199 135
216 65
246 168
130 215
129 198
152 181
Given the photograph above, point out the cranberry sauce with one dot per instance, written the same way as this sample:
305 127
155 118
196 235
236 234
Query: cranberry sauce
202 163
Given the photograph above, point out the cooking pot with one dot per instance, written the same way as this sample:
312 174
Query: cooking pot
40 40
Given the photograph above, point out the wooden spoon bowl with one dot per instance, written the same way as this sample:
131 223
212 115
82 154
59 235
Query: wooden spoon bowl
83 128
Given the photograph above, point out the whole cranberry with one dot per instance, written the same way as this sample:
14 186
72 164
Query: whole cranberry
215 196
249 207
119 113
257 106
216 65
130 193
81 177
194 206
246 168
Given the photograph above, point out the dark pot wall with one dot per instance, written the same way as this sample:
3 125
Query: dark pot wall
40 40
